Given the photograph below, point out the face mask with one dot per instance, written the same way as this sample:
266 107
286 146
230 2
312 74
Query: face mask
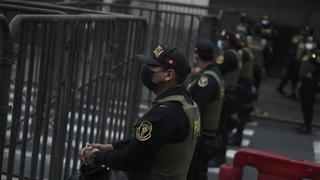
146 78
309 46
219 44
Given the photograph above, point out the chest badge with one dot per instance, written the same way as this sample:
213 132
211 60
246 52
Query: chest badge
203 81
143 132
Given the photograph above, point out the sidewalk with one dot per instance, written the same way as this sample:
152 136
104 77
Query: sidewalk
275 106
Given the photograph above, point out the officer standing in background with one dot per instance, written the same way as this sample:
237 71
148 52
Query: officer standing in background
243 26
257 44
309 74
267 32
245 90
207 90
292 67
229 64
164 139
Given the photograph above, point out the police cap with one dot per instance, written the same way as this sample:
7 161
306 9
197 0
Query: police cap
169 57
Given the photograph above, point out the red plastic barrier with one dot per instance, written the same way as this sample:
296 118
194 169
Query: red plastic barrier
269 166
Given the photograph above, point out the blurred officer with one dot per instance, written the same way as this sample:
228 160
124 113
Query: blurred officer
242 27
229 64
309 73
165 137
257 44
207 90
292 67
267 32
245 90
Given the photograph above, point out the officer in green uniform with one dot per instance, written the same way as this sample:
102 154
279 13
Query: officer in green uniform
164 139
257 44
292 67
242 27
229 64
207 90
309 74
245 90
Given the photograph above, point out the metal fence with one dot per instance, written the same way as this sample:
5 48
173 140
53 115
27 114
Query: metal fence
75 80
173 6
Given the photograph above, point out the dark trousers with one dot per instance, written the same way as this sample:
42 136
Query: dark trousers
307 95
291 74
257 77
199 164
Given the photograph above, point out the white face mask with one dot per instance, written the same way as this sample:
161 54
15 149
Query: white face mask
219 44
309 46
265 22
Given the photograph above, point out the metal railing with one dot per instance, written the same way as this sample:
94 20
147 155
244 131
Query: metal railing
75 81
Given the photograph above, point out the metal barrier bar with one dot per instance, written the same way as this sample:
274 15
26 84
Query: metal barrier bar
173 6
79 78
5 72
49 7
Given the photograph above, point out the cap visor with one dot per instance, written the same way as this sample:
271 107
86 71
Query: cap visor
148 60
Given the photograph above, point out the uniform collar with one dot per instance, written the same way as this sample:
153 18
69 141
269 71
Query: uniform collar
174 90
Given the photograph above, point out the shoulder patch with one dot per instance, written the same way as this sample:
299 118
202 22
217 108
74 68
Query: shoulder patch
220 59
143 132
203 81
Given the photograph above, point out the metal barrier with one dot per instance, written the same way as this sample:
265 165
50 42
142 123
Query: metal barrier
75 81
27 7
168 27
173 6
5 71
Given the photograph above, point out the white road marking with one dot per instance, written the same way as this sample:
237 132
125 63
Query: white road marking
245 142
231 153
213 170
253 123
316 149
248 132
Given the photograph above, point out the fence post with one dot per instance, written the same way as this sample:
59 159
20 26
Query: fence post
6 63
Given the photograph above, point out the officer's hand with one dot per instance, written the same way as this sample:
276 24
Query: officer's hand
87 155
105 147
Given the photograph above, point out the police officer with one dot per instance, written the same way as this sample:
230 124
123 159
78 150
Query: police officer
309 73
245 90
229 64
242 27
292 67
207 90
257 44
165 137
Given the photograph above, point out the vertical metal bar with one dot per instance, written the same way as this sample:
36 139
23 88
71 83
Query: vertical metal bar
90 86
188 44
75 55
47 114
28 102
40 103
17 100
86 38
97 51
60 86
5 73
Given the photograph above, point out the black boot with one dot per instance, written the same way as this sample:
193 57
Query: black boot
304 129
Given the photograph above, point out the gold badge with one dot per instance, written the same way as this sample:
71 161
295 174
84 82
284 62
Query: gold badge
158 51
220 59
196 127
203 81
143 132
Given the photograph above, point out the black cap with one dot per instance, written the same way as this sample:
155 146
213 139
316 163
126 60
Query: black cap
229 36
205 49
169 57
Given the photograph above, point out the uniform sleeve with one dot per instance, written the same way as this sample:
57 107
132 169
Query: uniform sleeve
203 93
154 130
